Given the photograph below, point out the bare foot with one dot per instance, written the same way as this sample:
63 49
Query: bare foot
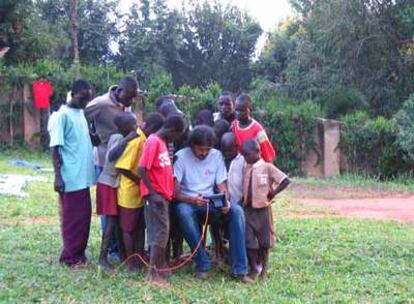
157 280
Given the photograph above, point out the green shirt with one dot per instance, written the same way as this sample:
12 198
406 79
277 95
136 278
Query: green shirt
70 132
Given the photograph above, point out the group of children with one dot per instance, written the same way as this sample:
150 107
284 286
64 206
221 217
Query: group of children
136 186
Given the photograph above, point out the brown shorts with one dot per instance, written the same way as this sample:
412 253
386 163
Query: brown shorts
259 228
131 219
157 217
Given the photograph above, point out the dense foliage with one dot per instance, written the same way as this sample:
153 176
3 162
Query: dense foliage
361 49
348 60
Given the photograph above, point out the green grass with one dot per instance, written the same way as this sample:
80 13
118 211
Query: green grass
315 261
399 184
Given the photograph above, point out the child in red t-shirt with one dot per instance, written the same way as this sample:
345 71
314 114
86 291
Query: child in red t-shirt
157 189
245 127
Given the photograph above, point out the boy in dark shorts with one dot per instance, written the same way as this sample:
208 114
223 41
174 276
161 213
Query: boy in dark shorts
157 187
130 203
262 181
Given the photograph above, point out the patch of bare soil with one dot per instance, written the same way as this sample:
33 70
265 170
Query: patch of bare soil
337 192
352 202
389 208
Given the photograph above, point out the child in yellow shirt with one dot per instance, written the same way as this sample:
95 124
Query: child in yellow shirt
130 203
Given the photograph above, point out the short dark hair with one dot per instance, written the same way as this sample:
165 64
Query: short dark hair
244 98
176 123
129 84
160 101
227 94
204 117
168 109
250 145
202 136
221 126
123 118
228 138
154 121
80 85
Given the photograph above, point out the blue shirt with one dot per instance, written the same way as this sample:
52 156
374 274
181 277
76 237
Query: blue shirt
198 176
70 132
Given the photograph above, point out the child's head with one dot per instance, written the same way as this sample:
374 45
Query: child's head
81 94
243 107
201 140
251 151
166 106
127 90
226 104
152 123
174 127
125 123
220 127
204 117
228 146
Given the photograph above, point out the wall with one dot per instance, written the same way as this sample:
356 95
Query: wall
325 159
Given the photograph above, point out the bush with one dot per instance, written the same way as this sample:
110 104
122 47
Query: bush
189 100
265 93
342 100
159 86
198 99
289 123
290 128
405 128
61 77
371 147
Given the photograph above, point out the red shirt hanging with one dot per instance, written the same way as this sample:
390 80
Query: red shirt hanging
42 91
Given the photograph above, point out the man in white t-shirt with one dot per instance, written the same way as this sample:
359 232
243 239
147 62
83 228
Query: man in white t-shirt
198 170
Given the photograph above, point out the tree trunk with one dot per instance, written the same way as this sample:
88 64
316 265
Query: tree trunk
12 115
74 20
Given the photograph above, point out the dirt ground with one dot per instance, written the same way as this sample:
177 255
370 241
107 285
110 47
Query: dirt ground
353 202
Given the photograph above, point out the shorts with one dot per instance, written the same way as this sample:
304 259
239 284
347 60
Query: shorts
131 219
259 228
106 200
157 217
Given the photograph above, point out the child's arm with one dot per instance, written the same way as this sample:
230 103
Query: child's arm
143 175
130 175
222 188
57 140
119 148
268 152
59 185
278 189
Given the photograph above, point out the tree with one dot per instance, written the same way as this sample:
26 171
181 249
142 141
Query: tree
218 45
205 43
359 48
149 44
21 29
96 27
74 22
274 57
